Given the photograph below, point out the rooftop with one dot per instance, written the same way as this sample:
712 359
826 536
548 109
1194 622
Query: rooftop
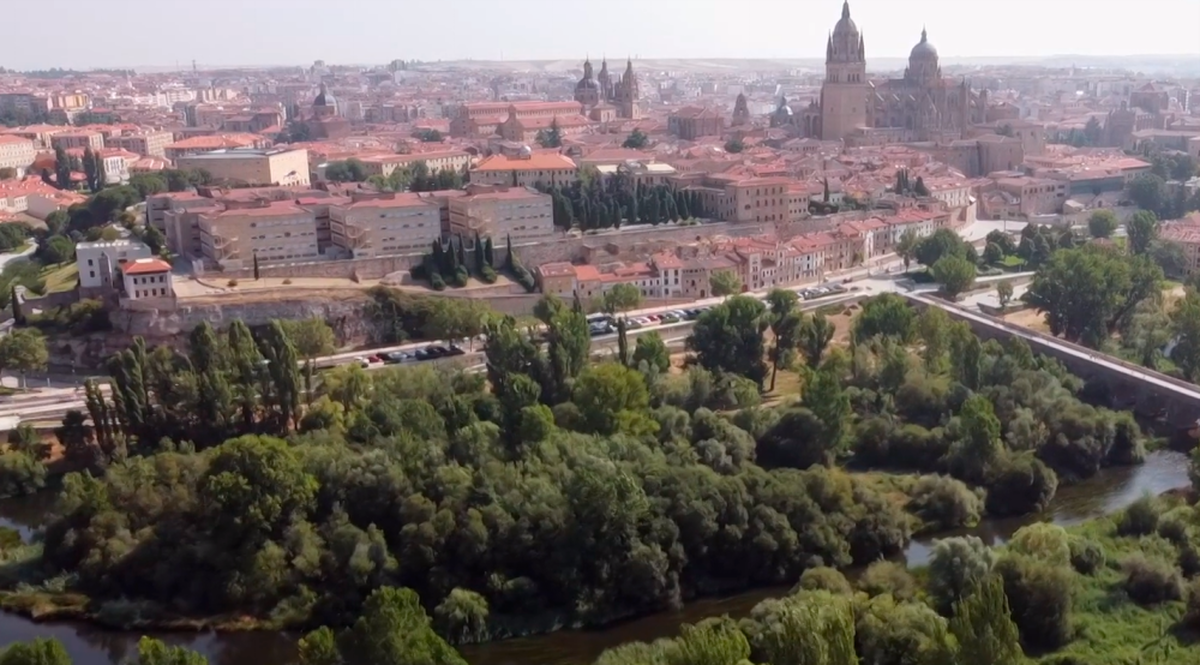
143 266
241 153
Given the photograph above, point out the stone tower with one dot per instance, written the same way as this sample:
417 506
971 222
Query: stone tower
605 81
741 111
845 92
587 90
626 94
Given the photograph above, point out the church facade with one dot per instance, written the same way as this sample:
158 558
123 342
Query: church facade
602 95
921 106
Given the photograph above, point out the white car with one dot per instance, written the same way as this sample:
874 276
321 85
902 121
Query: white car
362 362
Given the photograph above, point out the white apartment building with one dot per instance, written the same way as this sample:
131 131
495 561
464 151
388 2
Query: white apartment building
274 232
16 153
147 278
100 261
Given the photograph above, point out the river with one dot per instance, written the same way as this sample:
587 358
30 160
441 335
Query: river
1110 490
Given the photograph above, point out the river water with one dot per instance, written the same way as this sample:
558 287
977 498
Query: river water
1109 491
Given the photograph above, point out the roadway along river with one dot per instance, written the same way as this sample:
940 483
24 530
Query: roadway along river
1109 491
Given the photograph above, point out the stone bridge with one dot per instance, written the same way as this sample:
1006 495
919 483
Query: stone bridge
1143 391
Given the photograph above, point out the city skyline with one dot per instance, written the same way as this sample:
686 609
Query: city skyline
365 32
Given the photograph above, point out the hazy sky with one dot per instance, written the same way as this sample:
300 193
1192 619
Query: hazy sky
233 32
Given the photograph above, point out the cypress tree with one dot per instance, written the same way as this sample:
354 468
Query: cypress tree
453 259
256 266
17 310
480 261
681 201
622 342
508 253
490 253
462 252
62 169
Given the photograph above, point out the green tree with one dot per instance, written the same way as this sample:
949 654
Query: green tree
1004 293
814 338
734 146
827 400
984 627
23 350
394 630
319 647
39 651
613 398
1143 231
955 274
1102 223
888 315
651 350
1085 293
462 615
788 332
622 298
311 338
919 187
636 140
1169 256
1185 323
729 338
957 567
156 652
1149 192
725 283
62 168
552 137
943 242
906 246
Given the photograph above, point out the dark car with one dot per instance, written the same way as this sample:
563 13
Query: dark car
396 357
422 354
438 352
456 350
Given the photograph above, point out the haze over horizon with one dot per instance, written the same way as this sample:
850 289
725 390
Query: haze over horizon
277 32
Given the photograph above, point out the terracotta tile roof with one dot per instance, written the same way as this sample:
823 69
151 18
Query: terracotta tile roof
142 266
537 162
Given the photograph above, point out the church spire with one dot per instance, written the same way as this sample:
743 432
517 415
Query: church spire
924 35
846 9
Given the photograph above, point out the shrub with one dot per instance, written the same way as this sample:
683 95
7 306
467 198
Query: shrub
460 277
945 503
20 474
1020 484
1087 556
1174 524
956 566
1140 518
1039 596
1149 581
287 281
1044 542
488 275
1191 617
1189 554
436 282
231 283
888 577
823 578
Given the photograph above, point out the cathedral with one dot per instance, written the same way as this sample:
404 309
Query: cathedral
596 92
921 106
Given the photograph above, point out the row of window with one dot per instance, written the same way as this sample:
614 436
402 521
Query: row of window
150 293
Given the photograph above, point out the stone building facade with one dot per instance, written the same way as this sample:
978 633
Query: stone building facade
921 106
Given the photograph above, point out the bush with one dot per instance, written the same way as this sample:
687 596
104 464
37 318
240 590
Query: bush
824 578
888 577
1191 617
1140 518
287 281
945 503
1020 484
1175 523
488 275
20 474
1039 596
231 283
460 277
1087 556
436 282
1044 542
1150 581
956 566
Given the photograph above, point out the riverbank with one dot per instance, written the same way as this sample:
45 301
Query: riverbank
88 644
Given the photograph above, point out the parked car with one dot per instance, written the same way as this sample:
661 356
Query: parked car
362 362
669 318
438 351
421 354
456 350
632 324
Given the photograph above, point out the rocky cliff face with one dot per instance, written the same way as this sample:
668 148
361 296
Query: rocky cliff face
347 317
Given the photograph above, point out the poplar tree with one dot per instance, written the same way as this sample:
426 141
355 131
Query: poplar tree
245 367
984 627
214 405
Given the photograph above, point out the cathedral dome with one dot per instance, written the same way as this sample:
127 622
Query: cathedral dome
845 25
924 50
324 98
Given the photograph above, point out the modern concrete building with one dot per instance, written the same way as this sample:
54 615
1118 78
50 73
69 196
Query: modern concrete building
148 143
78 139
502 212
394 223
274 232
251 166
100 261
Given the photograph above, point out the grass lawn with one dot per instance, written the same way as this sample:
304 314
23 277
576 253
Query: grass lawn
1012 261
61 277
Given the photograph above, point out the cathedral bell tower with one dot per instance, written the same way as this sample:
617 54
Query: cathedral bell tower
845 92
